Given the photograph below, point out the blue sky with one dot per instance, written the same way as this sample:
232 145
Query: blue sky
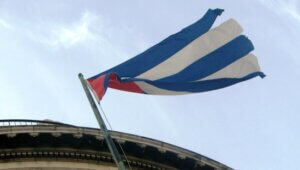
252 125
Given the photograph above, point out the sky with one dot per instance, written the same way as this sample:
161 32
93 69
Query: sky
253 125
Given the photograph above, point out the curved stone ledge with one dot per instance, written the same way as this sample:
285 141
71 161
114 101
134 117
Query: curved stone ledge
134 145
67 155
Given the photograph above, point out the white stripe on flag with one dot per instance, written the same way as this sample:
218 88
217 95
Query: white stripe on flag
238 69
150 89
197 49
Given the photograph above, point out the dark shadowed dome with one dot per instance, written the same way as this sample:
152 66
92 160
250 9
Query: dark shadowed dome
45 145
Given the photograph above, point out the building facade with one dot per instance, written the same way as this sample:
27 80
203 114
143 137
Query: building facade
47 145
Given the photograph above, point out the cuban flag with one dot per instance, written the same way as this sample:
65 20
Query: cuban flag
196 59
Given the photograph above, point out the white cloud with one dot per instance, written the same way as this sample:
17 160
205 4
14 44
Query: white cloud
291 8
63 34
288 7
78 32
5 24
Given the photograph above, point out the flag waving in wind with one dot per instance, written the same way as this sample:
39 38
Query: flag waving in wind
196 59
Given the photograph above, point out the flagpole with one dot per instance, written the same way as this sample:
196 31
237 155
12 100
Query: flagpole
111 145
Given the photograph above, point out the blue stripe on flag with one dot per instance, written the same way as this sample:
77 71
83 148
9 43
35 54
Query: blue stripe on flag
202 86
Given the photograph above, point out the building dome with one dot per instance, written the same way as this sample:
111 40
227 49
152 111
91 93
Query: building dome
50 145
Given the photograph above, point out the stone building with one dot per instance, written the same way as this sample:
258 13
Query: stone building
45 145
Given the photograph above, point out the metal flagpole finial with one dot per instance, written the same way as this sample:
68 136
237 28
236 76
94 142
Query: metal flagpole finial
80 75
